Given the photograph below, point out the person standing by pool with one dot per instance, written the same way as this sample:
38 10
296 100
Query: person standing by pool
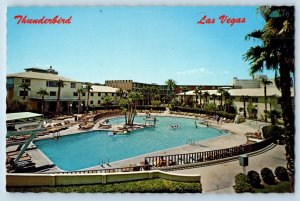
196 124
218 119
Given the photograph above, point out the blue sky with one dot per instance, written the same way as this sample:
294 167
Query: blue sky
145 44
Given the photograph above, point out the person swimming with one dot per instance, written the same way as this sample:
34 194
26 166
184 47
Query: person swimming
174 126
196 124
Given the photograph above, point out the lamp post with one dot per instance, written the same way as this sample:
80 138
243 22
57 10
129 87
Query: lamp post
70 109
244 161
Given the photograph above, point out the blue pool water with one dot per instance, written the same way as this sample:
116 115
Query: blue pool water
88 149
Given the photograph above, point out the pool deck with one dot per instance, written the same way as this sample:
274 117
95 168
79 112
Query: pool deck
217 178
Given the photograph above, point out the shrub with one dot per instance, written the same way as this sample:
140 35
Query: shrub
254 179
273 131
202 111
267 176
241 184
281 173
150 107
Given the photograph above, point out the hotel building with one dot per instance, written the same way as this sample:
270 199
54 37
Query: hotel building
38 78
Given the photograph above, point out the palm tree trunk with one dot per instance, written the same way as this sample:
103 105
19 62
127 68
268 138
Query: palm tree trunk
58 101
221 103
266 105
245 109
43 102
200 100
288 118
24 91
87 101
79 103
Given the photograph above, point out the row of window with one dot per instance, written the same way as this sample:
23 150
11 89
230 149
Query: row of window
54 84
53 93
92 102
99 94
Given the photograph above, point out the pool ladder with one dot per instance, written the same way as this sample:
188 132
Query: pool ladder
190 141
103 162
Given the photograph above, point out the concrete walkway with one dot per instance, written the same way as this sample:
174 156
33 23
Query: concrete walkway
220 178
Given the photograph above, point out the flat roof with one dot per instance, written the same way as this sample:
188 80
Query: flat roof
96 88
21 115
40 75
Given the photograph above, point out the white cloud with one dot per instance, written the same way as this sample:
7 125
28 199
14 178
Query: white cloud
195 72
225 72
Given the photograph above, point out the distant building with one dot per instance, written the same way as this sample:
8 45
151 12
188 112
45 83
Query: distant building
248 83
256 98
205 87
98 92
144 88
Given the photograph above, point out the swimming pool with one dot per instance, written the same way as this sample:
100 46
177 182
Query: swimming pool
83 150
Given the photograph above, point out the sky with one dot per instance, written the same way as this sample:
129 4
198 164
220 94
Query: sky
144 44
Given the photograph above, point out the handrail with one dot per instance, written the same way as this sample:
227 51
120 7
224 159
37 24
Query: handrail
206 156
132 168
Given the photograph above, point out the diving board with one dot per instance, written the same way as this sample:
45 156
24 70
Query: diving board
24 123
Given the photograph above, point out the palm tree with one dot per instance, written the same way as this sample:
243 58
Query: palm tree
206 95
184 89
244 99
196 92
154 93
200 88
214 96
25 87
120 93
273 114
128 105
171 84
60 84
43 93
270 104
107 100
266 82
227 100
88 88
276 52
79 91
221 92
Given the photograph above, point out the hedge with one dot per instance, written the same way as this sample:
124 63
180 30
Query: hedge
201 111
143 186
267 176
241 184
273 131
281 173
150 107
254 179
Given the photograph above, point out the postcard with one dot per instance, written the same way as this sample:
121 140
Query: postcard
150 99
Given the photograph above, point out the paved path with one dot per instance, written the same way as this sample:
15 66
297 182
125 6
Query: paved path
220 178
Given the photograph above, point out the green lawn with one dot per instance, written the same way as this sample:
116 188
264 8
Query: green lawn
144 186
281 187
